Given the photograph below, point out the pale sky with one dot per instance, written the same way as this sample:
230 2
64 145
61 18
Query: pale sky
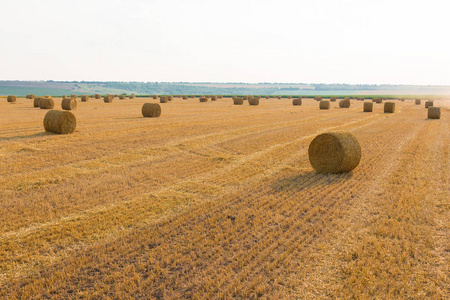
323 41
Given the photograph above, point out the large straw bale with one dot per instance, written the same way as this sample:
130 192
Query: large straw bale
69 104
434 112
46 103
58 121
238 101
324 104
151 110
389 107
253 101
297 102
368 106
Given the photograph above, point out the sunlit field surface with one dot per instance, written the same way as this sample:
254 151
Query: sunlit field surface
218 201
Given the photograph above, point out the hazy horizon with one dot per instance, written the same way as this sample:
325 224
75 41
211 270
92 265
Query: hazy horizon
333 42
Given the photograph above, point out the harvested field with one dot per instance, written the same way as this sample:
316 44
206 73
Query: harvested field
217 201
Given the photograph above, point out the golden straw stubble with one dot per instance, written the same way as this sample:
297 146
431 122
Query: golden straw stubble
58 121
334 152
151 110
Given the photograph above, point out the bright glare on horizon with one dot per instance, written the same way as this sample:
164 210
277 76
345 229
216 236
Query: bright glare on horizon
305 41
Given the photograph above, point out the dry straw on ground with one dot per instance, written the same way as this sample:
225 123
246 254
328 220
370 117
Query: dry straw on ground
368 106
58 121
151 110
324 104
345 103
253 101
434 112
334 152
69 104
11 98
389 107
238 101
297 102
46 103
428 104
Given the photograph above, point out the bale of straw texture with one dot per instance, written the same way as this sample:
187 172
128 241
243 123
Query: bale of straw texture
58 121
192 96
428 104
170 97
245 97
347 98
115 95
278 97
163 99
253 101
151 110
434 112
185 97
69 104
238 101
36 101
46 103
368 106
379 100
73 96
220 97
324 104
334 152
131 97
203 99
318 98
84 98
98 96
213 98
418 102
11 98
389 107
122 97
108 99
27 97
345 103
297 102
333 99
155 96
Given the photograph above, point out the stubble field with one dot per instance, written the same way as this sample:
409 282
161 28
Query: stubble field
217 201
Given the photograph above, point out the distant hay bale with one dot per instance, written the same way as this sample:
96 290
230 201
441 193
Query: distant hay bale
324 104
84 98
368 106
36 101
428 104
62 122
334 152
238 101
360 98
203 99
151 110
155 96
347 98
46 103
131 97
318 98
389 107
163 99
289 97
267 97
434 112
253 101
245 97
31 96
108 99
379 100
122 97
344 103
278 97
170 97
418 102
64 97
213 98
185 97
115 96
11 98
73 96
333 99
192 96
297 102
98 96
69 104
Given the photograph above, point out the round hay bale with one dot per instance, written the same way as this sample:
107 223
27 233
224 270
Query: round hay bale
73 96
203 99
434 112
253 101
278 97
418 102
289 97
170 97
297 102
213 98
122 97
379 100
155 96
46 103
324 104
185 97
163 99
151 110
69 104
389 107
333 99
36 101
267 97
62 122
98 96
108 99
345 103
428 104
238 101
131 96
334 152
368 106
318 98
84 98
11 99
